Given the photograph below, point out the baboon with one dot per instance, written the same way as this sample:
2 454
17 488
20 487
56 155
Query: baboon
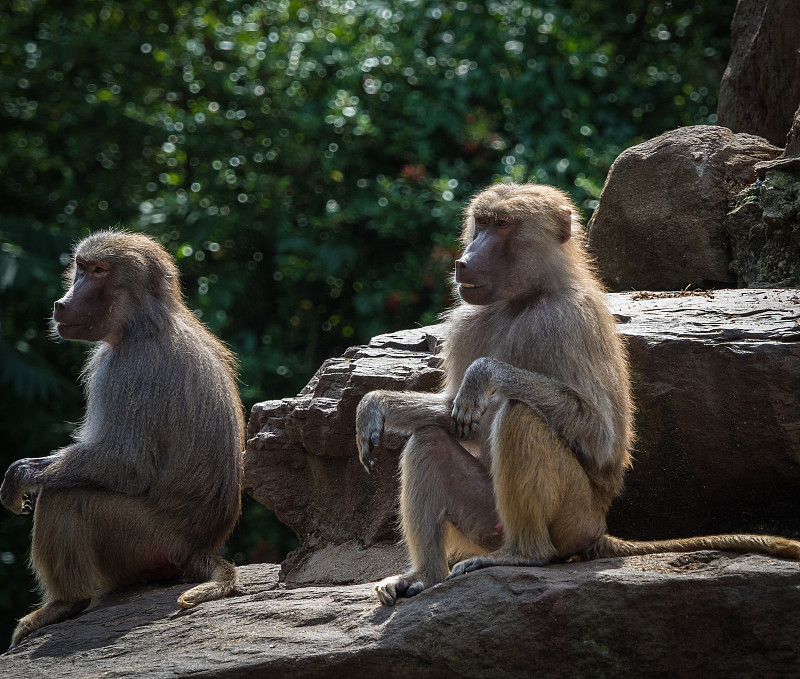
517 459
152 483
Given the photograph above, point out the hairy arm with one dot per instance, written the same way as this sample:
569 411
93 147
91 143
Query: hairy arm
571 415
403 411
80 464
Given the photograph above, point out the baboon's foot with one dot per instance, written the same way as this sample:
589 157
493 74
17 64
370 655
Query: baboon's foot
50 613
222 580
397 586
208 591
499 558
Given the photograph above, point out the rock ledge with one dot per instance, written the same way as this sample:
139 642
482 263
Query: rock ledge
666 615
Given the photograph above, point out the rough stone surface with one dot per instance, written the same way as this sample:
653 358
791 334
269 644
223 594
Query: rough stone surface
764 225
789 160
760 89
301 460
702 614
716 382
660 221
764 231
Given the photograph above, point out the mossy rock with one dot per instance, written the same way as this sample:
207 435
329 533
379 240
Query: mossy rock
764 232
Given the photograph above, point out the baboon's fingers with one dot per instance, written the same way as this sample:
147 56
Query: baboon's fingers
365 453
50 613
23 629
221 583
466 566
468 408
463 421
391 589
367 461
471 423
28 502
386 594
456 418
369 434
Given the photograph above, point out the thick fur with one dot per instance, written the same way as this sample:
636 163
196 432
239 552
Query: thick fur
153 479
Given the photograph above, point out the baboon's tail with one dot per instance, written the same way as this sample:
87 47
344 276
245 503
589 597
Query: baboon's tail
608 545
220 576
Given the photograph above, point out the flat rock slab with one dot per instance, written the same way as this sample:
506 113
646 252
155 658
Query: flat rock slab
723 317
700 614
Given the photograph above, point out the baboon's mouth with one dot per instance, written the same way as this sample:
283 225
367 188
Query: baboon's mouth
65 327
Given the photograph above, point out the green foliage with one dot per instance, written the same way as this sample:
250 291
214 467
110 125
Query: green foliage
306 163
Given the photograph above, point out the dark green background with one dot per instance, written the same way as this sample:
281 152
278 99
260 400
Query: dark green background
306 163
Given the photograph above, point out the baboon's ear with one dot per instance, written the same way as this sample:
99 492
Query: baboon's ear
565 226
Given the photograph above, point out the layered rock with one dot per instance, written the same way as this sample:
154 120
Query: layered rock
301 460
717 386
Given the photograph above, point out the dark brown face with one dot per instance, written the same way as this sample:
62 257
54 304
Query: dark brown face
84 313
481 271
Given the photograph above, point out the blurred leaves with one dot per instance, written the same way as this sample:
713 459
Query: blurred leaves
305 162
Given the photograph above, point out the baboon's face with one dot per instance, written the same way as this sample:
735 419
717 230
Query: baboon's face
481 272
85 312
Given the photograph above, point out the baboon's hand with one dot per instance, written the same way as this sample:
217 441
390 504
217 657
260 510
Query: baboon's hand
472 399
369 429
12 493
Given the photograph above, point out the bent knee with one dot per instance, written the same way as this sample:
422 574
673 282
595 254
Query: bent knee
427 438
431 448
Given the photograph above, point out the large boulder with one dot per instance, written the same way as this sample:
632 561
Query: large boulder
760 89
660 221
717 385
706 614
